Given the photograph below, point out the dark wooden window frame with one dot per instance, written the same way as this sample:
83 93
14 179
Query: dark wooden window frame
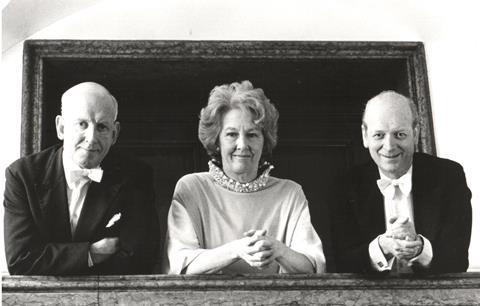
322 83
38 52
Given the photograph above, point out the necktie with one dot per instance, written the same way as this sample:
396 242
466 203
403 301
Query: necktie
387 187
78 175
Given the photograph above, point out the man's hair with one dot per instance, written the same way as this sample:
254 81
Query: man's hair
391 95
115 107
98 87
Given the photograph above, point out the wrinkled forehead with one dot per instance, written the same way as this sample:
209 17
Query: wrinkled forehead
388 114
94 105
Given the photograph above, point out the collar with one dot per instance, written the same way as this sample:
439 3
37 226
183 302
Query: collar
387 185
69 168
226 182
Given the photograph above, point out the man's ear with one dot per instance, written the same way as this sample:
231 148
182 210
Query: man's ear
364 136
59 124
116 132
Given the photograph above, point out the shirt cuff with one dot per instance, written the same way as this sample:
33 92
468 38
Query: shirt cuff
377 258
425 257
90 261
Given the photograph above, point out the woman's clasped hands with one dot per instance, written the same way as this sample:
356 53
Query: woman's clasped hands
258 249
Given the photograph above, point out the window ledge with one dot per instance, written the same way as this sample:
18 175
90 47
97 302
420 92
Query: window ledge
461 288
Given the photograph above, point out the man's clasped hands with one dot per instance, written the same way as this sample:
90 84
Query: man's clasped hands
400 240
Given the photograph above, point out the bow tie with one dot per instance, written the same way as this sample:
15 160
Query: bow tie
387 186
78 175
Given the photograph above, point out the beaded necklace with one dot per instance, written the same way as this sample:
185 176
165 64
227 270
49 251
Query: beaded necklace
224 181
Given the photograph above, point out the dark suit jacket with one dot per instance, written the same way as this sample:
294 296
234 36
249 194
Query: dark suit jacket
441 208
38 239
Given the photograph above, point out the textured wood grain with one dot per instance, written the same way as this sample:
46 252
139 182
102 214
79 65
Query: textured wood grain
327 289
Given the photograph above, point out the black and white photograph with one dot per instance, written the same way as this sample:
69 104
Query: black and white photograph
239 152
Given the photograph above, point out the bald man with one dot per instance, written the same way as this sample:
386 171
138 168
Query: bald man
406 212
80 208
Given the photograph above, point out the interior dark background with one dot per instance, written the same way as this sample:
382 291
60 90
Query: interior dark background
320 103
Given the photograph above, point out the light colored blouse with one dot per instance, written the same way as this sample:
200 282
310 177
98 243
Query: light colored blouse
204 215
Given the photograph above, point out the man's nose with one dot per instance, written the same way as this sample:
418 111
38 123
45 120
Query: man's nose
90 133
389 142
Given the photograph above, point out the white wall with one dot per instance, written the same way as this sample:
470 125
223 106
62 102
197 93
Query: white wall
449 30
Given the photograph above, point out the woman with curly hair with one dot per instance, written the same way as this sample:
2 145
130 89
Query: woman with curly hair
236 218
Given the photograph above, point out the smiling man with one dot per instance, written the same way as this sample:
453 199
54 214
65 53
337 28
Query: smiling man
79 208
406 211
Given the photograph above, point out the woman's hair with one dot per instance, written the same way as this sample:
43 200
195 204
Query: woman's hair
237 96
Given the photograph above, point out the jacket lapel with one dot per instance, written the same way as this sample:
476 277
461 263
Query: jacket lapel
100 197
369 204
426 193
53 201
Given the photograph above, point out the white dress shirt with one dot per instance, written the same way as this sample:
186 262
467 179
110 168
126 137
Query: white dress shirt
76 193
400 205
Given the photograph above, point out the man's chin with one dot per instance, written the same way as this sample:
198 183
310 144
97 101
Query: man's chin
87 163
394 171
389 167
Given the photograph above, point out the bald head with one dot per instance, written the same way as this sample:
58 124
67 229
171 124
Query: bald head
88 91
394 104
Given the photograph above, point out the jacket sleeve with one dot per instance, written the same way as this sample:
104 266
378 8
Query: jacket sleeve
350 246
350 240
450 244
27 250
139 231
